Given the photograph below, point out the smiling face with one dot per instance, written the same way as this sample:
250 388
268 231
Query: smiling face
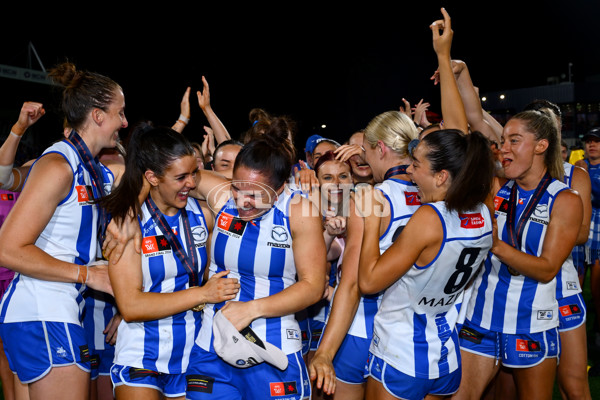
335 181
170 192
252 193
113 120
421 174
519 149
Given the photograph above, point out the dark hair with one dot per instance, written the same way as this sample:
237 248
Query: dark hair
541 104
149 148
271 153
260 122
227 143
468 159
83 91
328 156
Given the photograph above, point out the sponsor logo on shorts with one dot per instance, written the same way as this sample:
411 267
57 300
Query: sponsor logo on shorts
7 196
569 309
283 388
141 373
528 345
471 335
200 383
84 353
61 352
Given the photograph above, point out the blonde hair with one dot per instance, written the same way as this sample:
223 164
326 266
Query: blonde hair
395 129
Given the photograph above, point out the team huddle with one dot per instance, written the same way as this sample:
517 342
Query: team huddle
412 261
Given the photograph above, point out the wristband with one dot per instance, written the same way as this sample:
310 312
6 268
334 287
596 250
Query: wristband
15 135
183 119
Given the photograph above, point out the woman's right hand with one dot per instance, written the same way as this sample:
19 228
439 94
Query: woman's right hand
321 371
97 277
218 289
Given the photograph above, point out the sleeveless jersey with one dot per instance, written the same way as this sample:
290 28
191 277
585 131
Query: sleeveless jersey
164 345
516 304
403 200
70 235
424 303
259 254
567 279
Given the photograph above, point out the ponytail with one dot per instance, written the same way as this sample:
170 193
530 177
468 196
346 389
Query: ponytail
469 161
271 153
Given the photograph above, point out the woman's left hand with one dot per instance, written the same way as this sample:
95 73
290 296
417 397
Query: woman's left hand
240 313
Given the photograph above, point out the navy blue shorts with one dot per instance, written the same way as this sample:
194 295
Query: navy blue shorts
209 377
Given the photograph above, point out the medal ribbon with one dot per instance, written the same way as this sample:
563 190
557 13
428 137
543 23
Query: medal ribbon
92 165
190 259
515 231
396 170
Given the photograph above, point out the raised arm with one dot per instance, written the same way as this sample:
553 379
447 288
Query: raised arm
343 308
184 116
453 111
13 178
470 97
221 133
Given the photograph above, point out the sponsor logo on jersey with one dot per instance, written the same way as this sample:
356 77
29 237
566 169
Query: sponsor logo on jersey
229 224
283 388
572 286
544 314
527 345
471 221
84 194
412 199
500 204
155 245
293 334
200 235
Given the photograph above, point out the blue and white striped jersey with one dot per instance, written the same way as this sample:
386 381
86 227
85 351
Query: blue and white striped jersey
164 345
259 254
415 327
70 235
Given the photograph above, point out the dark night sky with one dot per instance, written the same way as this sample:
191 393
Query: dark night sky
340 67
